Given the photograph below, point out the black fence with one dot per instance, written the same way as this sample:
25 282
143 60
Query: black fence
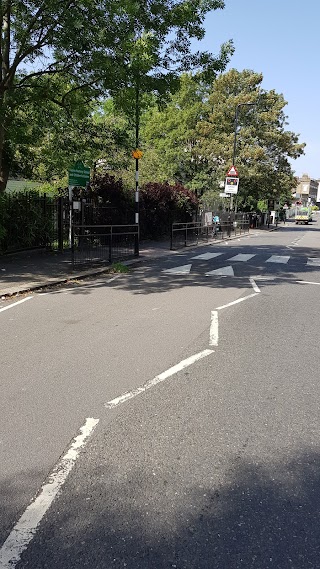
95 244
29 220
187 234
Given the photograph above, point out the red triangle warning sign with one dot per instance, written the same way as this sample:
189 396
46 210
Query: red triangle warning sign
233 172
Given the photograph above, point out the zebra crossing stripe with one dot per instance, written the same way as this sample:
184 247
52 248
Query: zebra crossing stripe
278 259
207 256
241 257
313 262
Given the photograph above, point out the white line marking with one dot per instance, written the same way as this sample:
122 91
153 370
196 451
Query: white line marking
214 329
158 379
15 303
278 259
315 262
237 301
254 285
26 527
207 256
182 270
222 272
307 282
241 257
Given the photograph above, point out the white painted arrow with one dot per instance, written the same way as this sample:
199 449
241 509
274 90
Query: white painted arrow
182 270
223 272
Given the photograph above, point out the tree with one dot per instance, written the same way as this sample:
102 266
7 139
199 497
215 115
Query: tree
95 46
170 135
263 145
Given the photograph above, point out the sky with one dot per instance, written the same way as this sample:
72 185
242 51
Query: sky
280 39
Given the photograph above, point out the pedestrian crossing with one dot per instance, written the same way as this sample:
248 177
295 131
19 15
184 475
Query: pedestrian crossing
226 264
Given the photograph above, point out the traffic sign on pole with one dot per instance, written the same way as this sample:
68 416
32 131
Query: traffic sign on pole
233 172
231 185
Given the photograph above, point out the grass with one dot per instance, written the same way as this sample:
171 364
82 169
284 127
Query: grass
120 268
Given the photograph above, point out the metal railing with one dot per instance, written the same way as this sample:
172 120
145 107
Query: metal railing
187 234
94 244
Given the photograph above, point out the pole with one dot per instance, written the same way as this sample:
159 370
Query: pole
136 245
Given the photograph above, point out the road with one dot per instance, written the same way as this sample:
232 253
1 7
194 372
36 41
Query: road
167 417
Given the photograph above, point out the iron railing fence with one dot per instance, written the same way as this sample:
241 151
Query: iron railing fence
187 234
27 221
95 244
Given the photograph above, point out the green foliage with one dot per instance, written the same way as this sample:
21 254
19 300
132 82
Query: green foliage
119 268
58 57
263 145
170 136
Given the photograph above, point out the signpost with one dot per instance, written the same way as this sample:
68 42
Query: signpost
232 183
78 176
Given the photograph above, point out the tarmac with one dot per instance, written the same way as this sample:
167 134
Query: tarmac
32 270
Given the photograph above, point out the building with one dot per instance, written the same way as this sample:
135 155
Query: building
306 190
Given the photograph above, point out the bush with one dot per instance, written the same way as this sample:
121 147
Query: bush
163 204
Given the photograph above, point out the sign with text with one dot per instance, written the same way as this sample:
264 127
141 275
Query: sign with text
208 218
79 175
231 185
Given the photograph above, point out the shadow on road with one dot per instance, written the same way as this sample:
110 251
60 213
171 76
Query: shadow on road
261 516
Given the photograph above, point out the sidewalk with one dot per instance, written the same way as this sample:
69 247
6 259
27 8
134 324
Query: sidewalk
31 270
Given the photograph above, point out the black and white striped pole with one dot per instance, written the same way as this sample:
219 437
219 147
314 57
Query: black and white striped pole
137 154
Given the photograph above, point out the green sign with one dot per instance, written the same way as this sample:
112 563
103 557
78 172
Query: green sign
79 175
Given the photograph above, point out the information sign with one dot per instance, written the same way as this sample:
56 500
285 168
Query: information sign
231 185
79 175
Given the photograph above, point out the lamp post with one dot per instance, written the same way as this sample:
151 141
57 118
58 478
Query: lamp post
235 137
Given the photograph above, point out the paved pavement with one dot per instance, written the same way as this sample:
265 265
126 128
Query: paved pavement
31 270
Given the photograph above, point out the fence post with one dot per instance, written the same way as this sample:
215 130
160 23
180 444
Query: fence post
72 245
60 224
229 227
136 240
171 238
186 236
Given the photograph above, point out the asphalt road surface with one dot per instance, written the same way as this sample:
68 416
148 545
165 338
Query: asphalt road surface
168 417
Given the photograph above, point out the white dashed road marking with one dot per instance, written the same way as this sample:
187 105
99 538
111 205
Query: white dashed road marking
214 329
15 303
158 379
26 527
